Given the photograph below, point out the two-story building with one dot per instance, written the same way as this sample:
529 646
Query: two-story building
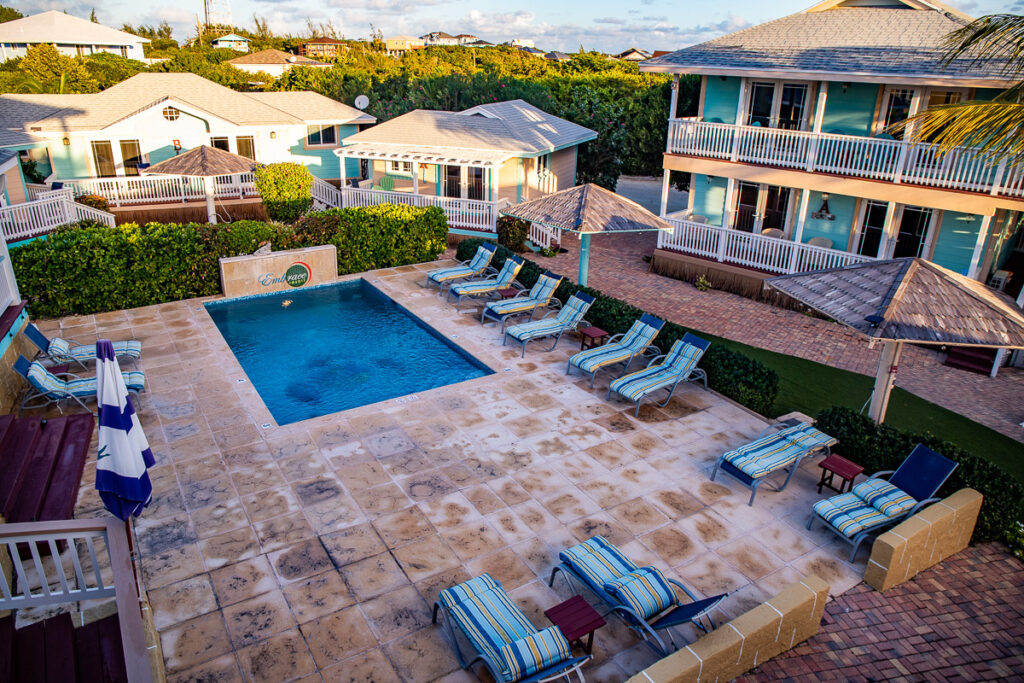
71 36
231 41
793 165
323 48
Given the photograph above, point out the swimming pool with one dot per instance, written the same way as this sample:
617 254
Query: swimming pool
336 347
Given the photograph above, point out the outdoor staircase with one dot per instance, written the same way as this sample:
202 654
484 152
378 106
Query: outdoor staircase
974 359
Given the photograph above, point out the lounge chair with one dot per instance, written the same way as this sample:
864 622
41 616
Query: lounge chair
69 351
678 365
620 348
642 596
771 452
508 644
48 388
474 267
877 504
541 295
505 279
554 324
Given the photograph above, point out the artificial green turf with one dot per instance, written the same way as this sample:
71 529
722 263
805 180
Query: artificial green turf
809 387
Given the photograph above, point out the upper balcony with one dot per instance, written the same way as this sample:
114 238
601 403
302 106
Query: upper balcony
865 158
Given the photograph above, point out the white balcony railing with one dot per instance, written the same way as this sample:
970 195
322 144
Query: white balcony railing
31 219
126 191
770 254
467 214
847 155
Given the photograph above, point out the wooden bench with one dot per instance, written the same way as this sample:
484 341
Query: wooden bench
41 464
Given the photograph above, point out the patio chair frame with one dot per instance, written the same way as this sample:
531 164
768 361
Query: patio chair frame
551 673
582 322
695 374
486 272
649 351
553 304
753 483
874 531
42 342
647 630
21 366
489 296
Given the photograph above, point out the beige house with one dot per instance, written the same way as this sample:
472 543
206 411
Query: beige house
401 44
273 62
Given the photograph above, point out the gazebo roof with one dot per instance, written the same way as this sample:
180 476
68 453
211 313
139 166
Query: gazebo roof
909 299
588 209
204 162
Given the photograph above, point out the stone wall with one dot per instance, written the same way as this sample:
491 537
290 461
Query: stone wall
11 383
279 270
924 540
791 617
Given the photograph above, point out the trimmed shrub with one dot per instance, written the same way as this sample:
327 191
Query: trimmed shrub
286 189
730 373
93 200
90 268
512 233
881 447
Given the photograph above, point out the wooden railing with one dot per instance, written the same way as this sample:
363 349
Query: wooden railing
468 214
894 161
69 561
122 191
31 219
747 249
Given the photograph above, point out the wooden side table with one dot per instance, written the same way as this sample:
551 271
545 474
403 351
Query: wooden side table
591 337
836 464
575 618
508 292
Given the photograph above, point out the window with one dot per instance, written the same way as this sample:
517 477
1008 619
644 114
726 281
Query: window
778 105
475 177
131 156
897 108
103 158
80 50
321 135
400 167
124 51
543 165
246 147
872 229
171 113
220 143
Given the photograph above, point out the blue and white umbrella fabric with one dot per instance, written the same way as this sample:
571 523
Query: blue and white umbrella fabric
124 454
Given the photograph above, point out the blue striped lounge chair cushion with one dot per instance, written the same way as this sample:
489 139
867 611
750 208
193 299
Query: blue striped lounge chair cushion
122 349
681 359
55 387
849 515
453 273
808 436
763 456
597 561
544 288
48 383
476 288
568 318
890 500
486 615
533 653
639 337
646 591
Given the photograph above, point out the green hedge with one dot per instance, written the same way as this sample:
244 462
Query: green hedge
730 373
90 268
881 447
286 189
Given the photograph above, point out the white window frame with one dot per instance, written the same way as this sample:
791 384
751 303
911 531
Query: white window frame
778 85
398 168
320 130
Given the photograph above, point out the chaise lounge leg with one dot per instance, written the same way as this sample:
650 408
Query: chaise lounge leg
753 492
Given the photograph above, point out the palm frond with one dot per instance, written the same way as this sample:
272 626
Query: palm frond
994 39
992 129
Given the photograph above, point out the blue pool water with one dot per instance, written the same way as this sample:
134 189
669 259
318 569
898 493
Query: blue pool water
334 348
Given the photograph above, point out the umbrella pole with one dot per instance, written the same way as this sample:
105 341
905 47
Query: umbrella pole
885 377
211 212
584 259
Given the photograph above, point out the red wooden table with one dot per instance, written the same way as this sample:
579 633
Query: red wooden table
575 618
836 464
508 292
591 337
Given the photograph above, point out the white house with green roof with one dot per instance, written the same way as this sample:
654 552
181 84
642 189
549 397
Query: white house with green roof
790 162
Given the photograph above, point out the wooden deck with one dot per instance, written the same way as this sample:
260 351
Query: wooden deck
53 650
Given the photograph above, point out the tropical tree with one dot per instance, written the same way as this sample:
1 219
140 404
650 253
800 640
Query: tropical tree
994 127
9 14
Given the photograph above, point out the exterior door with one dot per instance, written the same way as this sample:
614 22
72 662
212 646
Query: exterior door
872 228
792 106
246 147
131 156
913 232
897 105
452 181
103 158
746 206
476 183
775 208
762 100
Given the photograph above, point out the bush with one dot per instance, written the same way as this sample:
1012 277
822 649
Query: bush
730 373
881 447
512 233
90 268
93 200
286 190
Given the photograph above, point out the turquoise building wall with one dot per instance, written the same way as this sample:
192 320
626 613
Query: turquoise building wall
324 163
709 198
720 99
955 242
841 206
851 112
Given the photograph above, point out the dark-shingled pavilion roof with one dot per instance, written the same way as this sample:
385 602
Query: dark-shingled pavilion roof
909 299
204 162
588 209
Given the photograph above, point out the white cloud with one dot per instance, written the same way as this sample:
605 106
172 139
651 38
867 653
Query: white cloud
610 20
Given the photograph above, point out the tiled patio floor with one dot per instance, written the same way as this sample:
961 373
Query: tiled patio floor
316 549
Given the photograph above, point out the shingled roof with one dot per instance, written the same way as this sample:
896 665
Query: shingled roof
588 209
204 161
870 44
272 56
909 299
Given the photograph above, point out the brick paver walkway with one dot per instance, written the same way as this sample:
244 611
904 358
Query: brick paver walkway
960 621
618 269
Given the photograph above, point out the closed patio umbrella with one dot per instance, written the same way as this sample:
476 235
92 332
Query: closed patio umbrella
587 210
124 454
206 163
907 300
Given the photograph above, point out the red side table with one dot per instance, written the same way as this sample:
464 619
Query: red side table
508 292
836 464
591 337
575 618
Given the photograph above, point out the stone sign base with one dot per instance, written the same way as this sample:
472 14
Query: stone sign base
278 271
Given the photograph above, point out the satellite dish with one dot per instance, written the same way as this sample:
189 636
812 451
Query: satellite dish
362 102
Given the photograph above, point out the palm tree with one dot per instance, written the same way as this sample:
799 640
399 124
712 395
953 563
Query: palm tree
996 127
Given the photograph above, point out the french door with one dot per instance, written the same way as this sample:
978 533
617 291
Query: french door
760 207
103 158
775 104
452 181
912 236
131 156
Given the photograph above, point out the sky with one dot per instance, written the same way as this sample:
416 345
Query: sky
567 25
